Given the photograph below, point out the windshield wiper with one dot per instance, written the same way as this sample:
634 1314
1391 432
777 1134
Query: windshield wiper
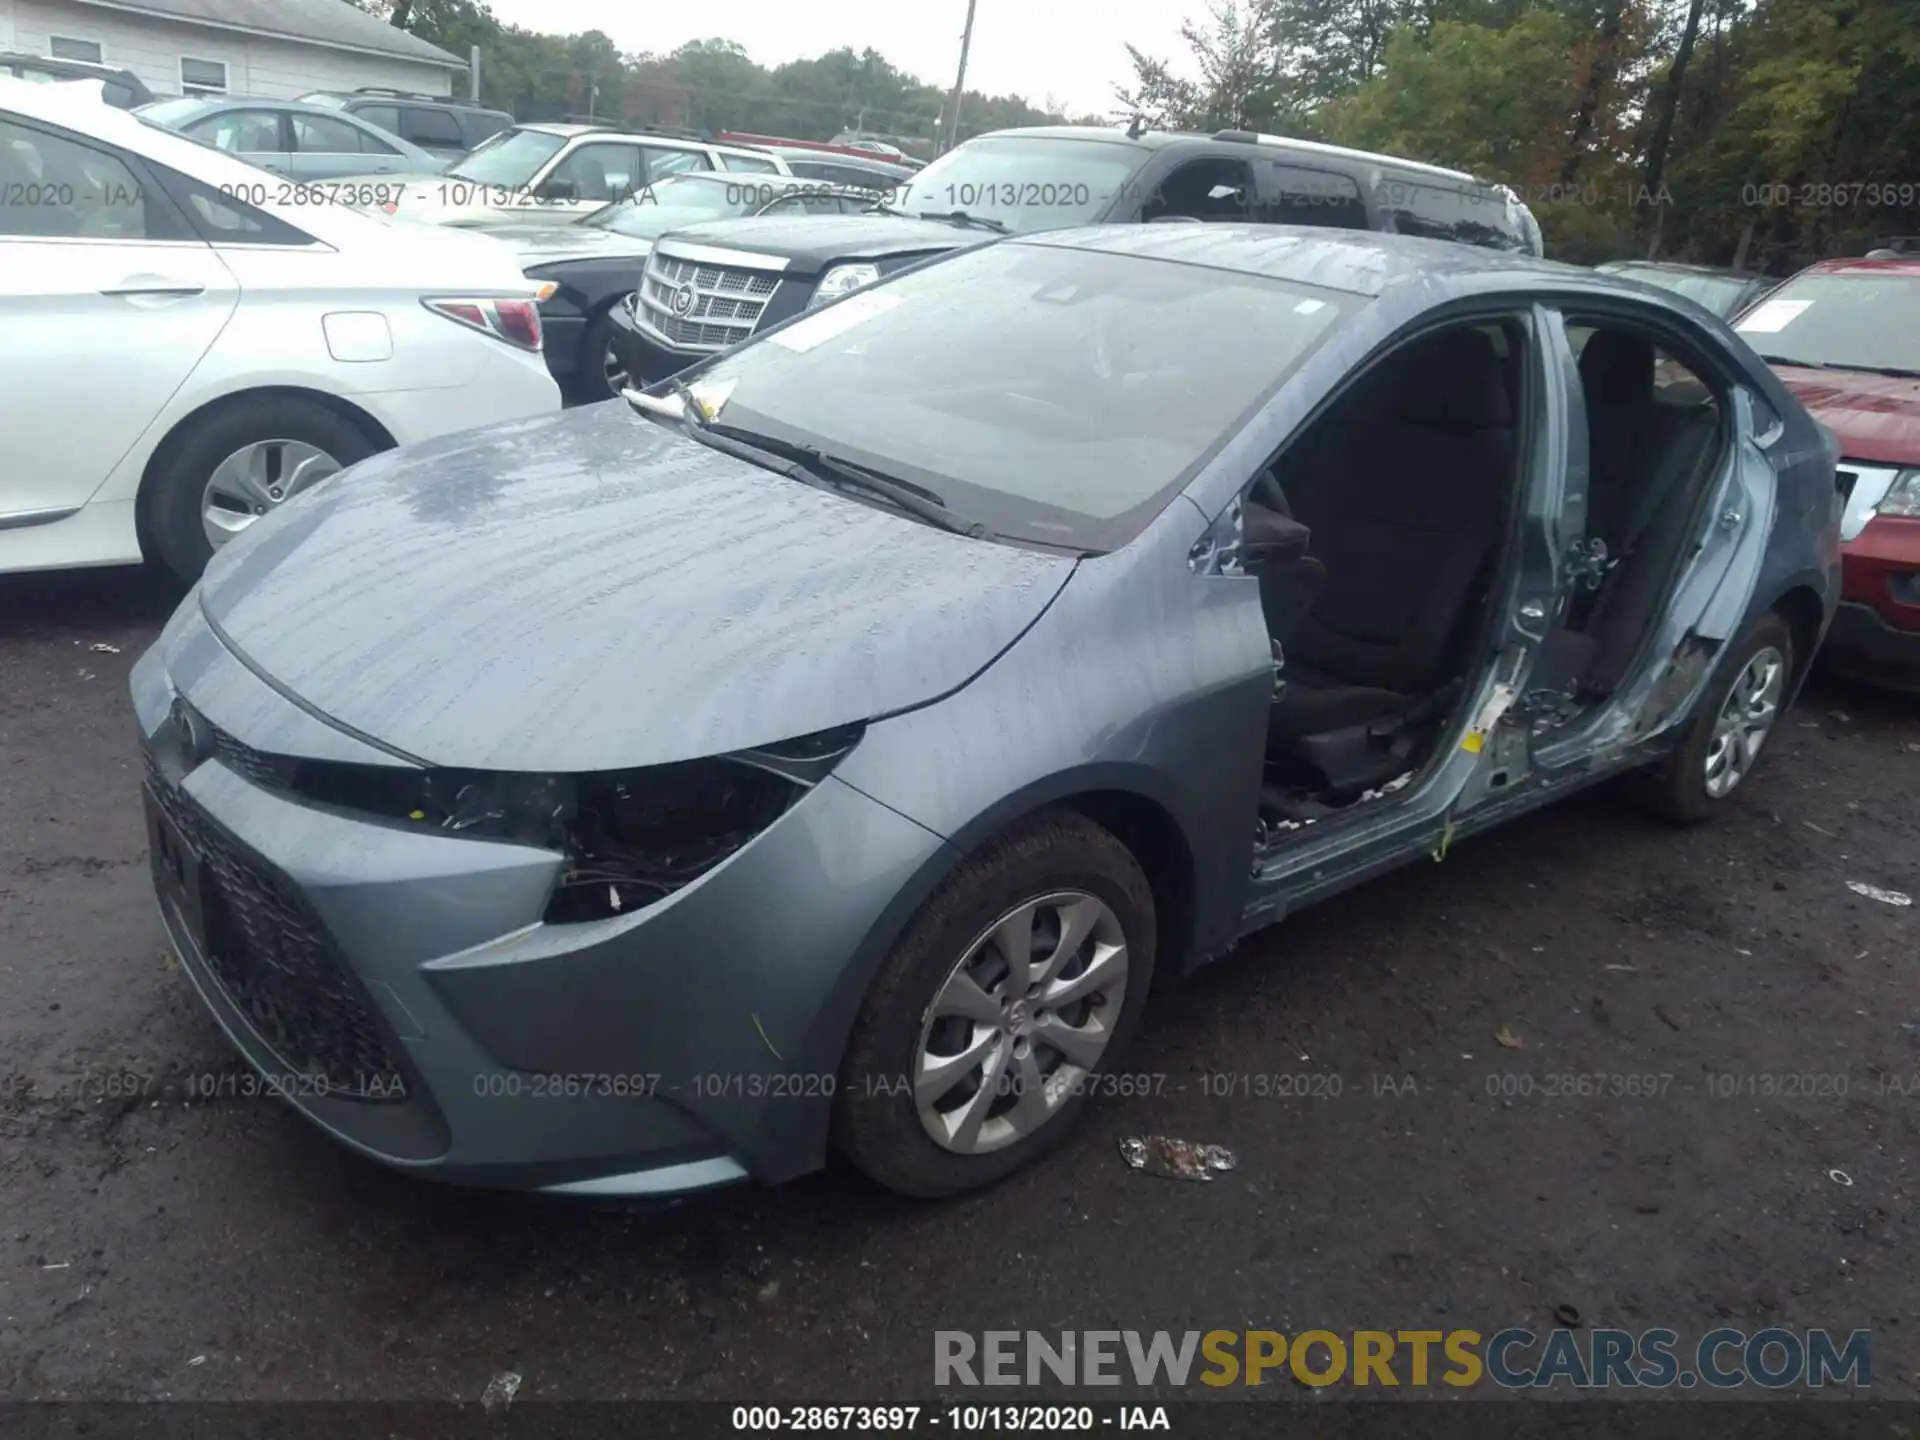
1797 364
825 471
808 465
961 217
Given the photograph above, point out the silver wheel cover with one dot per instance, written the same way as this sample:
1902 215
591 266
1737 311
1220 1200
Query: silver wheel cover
1745 721
1020 1022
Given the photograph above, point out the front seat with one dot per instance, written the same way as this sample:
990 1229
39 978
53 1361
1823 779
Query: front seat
1405 516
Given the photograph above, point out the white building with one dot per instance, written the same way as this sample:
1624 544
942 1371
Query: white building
271 48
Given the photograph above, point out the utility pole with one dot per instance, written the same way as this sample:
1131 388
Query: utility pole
960 82
473 76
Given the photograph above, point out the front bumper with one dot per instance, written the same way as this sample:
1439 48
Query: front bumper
646 359
688 1044
1876 630
1862 643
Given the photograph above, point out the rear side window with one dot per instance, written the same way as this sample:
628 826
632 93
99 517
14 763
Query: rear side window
55 188
387 117
424 126
1440 212
324 135
758 165
1297 195
226 219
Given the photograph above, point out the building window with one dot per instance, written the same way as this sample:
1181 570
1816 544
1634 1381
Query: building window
62 47
203 77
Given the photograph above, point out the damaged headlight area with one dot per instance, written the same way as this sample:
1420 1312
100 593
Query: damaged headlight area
630 837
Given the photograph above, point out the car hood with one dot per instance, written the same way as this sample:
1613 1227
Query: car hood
556 244
1876 417
593 591
812 242
407 178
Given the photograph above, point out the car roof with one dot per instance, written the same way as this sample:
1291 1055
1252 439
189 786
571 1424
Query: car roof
213 104
1860 265
569 129
381 96
1167 139
1362 262
1677 267
746 177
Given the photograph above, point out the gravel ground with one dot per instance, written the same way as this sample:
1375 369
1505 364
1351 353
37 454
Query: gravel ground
155 1246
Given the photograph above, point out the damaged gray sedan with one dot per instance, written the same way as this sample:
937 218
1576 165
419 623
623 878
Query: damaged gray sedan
832 750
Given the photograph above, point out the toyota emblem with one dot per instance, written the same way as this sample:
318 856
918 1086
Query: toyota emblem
684 299
196 741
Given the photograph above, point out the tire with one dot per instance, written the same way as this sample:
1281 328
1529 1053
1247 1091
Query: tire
590 378
1678 789
175 494
1058 856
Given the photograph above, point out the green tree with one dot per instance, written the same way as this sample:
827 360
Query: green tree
1240 81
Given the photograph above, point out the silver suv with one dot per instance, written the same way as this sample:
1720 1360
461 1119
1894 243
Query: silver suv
561 172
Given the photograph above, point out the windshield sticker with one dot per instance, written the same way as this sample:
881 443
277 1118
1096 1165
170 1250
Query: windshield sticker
1772 316
836 319
1309 307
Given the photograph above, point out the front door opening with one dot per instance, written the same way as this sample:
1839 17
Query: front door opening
1378 538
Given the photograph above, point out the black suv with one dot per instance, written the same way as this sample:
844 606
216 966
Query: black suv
445 127
124 89
710 286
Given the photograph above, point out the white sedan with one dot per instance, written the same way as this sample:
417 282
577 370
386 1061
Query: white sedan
190 340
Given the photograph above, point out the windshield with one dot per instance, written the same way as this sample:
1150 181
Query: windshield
173 113
1053 394
681 200
1718 293
510 159
1865 320
1026 183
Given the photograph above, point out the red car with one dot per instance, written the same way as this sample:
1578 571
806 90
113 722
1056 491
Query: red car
1845 337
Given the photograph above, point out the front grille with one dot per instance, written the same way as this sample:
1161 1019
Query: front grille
273 772
272 957
727 302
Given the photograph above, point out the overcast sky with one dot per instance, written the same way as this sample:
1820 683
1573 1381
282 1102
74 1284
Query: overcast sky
1071 50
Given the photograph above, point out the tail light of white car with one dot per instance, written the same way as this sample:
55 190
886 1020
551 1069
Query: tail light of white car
515 321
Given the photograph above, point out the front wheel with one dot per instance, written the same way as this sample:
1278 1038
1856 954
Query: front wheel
1736 717
1014 988
602 373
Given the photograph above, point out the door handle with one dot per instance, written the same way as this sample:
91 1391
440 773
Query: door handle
176 289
